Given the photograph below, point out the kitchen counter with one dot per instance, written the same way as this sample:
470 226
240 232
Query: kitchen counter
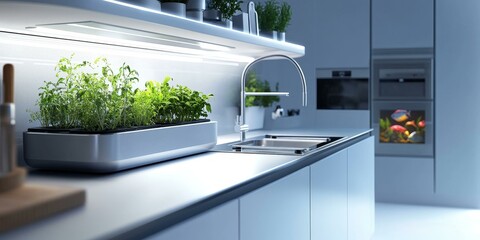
141 201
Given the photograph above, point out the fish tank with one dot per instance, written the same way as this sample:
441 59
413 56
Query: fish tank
402 126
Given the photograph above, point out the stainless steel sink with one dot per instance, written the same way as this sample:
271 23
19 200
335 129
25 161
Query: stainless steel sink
278 144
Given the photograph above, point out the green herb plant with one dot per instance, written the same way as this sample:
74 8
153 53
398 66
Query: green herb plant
178 103
267 15
94 97
254 84
105 96
226 7
284 17
58 100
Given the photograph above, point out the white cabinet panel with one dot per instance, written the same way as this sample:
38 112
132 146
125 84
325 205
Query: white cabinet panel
402 23
342 33
220 223
329 197
457 58
279 210
361 190
404 179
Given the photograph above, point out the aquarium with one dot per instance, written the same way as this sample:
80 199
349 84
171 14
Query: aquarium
402 126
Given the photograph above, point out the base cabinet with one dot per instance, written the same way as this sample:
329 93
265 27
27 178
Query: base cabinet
279 210
332 199
361 190
219 223
329 197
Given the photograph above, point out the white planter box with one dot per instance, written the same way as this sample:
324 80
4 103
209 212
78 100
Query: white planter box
254 117
116 151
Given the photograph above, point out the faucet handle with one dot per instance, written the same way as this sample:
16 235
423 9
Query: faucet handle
240 128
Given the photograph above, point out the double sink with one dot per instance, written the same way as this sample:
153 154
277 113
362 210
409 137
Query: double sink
279 144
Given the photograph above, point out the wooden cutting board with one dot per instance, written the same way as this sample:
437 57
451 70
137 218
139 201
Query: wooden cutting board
31 202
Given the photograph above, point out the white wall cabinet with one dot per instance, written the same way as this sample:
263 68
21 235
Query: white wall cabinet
342 33
279 210
402 23
361 190
219 223
329 197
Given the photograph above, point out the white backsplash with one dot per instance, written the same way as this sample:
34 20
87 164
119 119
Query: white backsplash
34 60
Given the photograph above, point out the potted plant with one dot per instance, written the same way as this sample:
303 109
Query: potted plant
267 18
283 20
93 120
255 105
227 9
195 9
175 7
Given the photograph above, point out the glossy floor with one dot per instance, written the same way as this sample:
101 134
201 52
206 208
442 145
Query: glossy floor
401 222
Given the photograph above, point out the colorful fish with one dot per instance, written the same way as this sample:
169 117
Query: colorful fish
400 115
421 123
411 123
398 128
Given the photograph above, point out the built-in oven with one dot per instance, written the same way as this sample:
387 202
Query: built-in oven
403 104
343 89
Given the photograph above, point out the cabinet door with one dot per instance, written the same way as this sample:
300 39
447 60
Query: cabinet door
219 223
279 210
361 190
402 23
329 197
342 33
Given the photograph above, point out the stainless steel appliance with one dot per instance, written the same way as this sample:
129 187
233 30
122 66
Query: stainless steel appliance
343 88
402 104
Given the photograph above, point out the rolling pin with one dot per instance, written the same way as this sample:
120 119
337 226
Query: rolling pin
8 150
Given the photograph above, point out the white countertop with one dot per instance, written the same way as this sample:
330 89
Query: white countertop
124 201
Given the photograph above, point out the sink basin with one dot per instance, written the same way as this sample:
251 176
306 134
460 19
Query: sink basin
278 144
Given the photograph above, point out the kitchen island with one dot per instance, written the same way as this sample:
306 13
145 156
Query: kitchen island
182 198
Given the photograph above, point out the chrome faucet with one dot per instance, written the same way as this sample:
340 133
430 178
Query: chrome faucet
243 127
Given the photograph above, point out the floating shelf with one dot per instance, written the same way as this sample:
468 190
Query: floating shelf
24 15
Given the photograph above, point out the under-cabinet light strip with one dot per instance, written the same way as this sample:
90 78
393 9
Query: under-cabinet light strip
103 50
187 52
133 6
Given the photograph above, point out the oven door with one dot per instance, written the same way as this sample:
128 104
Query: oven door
402 79
403 128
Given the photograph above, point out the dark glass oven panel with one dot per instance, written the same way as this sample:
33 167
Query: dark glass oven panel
342 93
402 126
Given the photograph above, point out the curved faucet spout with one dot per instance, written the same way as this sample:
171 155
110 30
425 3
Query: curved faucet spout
243 126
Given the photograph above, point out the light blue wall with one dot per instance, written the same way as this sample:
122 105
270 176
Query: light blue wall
336 34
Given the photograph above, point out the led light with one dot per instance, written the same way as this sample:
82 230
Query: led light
133 6
214 47
101 50
95 32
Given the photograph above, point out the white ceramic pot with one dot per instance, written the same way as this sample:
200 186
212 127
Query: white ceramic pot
254 117
178 9
196 5
227 23
281 36
269 34
195 9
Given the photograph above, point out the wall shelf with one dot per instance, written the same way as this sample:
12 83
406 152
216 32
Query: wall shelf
25 16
